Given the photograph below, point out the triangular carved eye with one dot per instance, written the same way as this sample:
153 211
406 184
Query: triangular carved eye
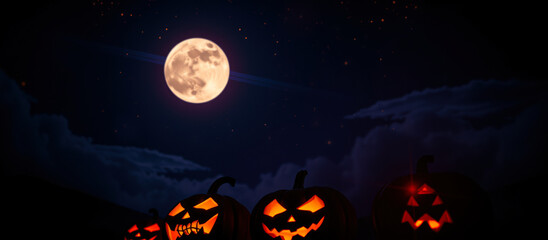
412 202
176 210
153 228
313 204
273 208
207 204
437 201
133 229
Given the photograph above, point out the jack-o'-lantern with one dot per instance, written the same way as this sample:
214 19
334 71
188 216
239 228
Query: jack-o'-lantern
209 216
432 206
150 229
430 198
303 213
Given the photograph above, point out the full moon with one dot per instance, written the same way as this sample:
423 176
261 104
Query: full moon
196 70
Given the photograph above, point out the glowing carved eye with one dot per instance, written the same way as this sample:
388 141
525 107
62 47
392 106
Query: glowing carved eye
437 201
273 208
207 204
412 202
313 204
153 228
176 210
133 229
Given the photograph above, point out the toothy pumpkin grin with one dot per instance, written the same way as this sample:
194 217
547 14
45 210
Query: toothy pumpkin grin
433 223
286 234
195 227
208 216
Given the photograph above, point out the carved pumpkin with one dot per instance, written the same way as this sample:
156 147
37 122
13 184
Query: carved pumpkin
432 206
209 216
146 230
303 213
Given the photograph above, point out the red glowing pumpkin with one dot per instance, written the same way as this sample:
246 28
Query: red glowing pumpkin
432 206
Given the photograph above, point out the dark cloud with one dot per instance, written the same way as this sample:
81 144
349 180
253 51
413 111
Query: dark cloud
43 145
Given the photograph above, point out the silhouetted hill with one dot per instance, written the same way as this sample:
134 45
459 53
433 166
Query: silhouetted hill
37 209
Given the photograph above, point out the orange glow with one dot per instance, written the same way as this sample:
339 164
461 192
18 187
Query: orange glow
209 224
434 225
171 234
207 204
192 228
138 235
273 208
425 189
133 229
437 201
412 202
291 219
288 235
153 228
176 210
313 204
186 215
152 238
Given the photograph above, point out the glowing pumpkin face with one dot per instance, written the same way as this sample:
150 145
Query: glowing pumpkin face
427 205
208 216
144 232
150 229
303 213
431 204
196 218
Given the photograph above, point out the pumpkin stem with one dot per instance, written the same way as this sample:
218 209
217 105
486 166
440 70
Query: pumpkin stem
422 164
154 212
299 179
222 180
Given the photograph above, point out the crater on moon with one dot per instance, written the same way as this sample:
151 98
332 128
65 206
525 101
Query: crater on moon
196 70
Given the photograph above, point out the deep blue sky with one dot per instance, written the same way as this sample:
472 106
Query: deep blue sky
415 62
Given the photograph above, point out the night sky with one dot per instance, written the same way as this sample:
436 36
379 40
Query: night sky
353 91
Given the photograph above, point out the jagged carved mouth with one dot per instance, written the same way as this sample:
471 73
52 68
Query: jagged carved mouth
194 227
432 223
287 234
